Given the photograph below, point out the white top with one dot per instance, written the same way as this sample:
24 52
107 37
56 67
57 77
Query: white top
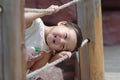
34 35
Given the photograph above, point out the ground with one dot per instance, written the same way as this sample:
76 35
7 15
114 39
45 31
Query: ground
112 62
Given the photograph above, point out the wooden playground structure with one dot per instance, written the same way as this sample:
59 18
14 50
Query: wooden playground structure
12 48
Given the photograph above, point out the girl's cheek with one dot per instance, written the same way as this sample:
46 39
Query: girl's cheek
60 32
57 47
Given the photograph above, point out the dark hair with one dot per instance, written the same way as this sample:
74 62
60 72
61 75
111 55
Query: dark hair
78 32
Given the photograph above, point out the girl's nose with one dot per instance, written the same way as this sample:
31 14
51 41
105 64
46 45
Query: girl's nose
62 41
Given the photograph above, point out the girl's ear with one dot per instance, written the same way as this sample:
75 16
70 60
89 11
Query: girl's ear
62 23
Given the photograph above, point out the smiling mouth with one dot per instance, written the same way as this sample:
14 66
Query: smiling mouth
53 40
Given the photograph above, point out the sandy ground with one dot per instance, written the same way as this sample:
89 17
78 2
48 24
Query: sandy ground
112 62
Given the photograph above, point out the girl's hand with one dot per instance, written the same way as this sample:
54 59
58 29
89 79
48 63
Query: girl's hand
55 7
60 55
63 53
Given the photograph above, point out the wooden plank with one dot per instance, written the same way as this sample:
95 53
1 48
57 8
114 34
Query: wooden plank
91 56
12 57
1 67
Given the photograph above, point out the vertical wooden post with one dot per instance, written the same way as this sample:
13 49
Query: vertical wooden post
1 67
91 56
12 60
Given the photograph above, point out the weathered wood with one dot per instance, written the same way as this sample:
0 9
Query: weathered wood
91 56
11 40
1 67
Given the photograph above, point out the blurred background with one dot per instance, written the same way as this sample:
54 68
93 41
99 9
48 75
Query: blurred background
111 39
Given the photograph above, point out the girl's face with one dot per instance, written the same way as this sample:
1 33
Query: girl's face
61 38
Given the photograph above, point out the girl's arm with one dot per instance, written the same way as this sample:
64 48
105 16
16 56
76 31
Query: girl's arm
40 62
31 16
60 55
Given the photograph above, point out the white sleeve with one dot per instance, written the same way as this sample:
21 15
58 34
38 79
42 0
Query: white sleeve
35 26
35 34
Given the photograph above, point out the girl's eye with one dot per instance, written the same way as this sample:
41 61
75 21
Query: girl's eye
66 36
62 47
